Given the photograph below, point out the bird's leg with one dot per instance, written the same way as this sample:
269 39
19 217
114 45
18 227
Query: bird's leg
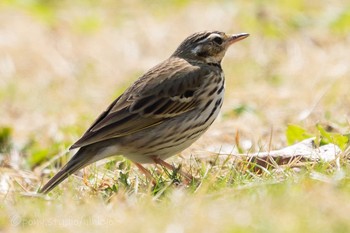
161 162
146 172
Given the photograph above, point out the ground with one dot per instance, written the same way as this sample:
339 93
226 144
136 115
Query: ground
63 62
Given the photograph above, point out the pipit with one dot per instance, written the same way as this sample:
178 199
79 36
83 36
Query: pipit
161 113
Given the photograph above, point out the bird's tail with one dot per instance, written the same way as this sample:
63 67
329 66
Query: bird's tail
80 160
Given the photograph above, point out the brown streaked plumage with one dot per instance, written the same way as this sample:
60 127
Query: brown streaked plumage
163 112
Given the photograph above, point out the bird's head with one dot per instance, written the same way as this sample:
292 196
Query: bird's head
207 46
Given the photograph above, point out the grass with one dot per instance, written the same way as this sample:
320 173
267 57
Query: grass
62 62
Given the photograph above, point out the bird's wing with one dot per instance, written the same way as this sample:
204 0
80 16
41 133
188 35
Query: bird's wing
169 89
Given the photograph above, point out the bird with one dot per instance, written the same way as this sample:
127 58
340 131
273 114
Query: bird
163 112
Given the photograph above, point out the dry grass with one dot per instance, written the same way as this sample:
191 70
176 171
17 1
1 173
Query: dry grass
62 62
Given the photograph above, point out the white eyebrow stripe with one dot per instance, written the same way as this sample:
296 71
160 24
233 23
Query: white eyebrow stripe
212 35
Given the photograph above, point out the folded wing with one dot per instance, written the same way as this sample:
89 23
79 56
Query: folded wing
149 101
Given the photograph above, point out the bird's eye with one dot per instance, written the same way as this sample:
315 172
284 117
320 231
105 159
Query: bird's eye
218 40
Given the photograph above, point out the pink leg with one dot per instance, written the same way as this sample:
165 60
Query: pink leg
145 171
171 167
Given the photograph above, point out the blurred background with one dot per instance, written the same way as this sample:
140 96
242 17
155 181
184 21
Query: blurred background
63 62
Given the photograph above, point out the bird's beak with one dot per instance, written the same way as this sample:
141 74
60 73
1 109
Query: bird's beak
237 37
